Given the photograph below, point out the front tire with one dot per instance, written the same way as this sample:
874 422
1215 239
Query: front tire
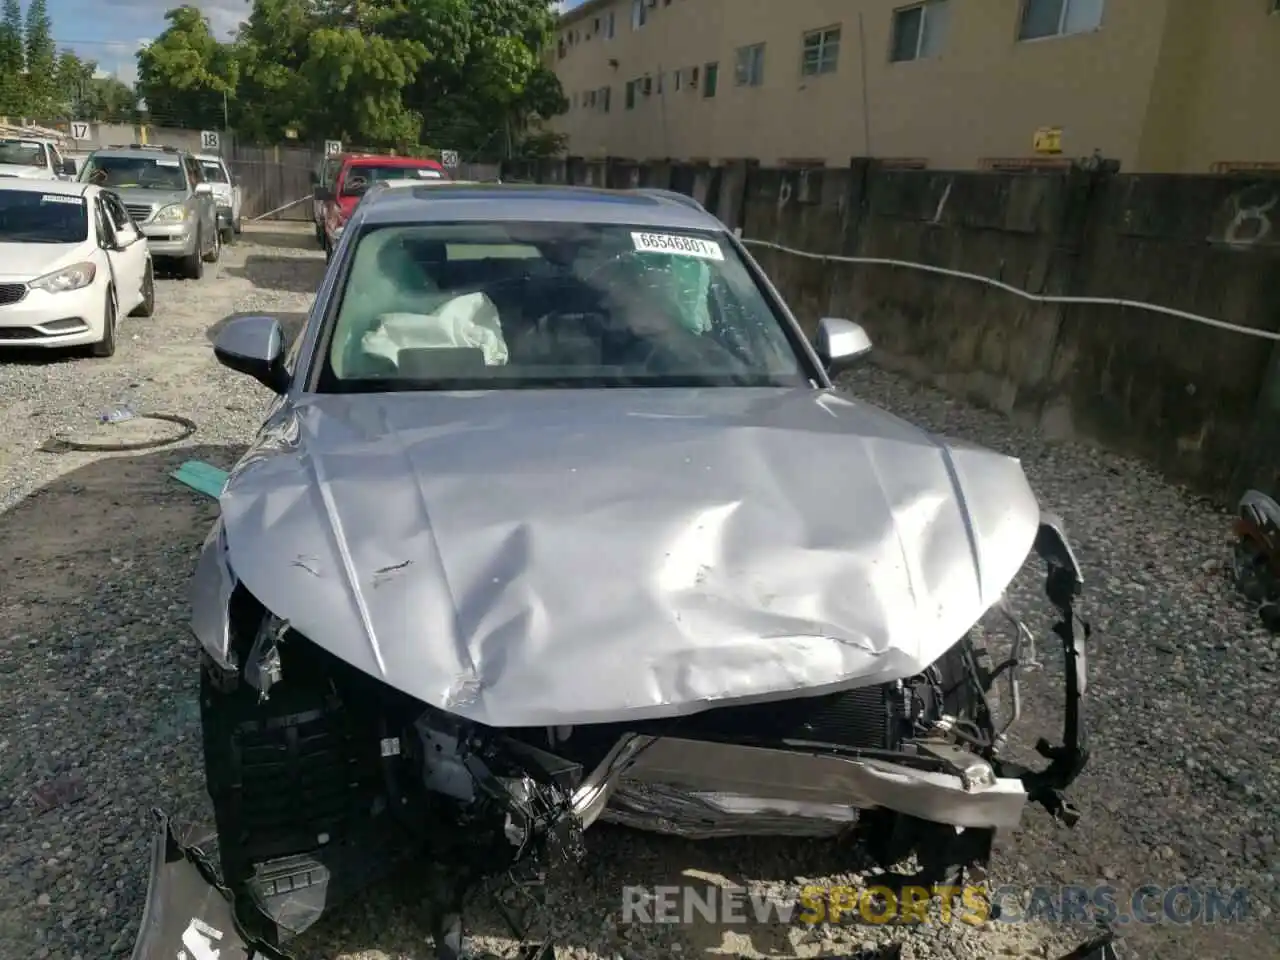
193 264
106 347
215 251
148 305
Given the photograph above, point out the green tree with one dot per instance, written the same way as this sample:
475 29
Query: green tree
186 76
354 82
42 70
73 92
13 61
111 100
271 49
457 74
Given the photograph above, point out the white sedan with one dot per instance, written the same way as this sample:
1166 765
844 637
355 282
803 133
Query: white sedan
72 263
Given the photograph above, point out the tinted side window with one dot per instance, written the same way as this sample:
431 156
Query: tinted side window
102 226
119 215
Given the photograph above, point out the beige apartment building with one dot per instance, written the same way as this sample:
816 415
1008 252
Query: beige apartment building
1160 85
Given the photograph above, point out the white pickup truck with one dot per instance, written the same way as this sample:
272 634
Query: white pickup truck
34 158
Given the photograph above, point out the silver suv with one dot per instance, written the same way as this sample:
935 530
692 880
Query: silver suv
165 191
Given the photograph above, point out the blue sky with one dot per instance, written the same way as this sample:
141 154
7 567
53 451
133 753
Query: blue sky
109 31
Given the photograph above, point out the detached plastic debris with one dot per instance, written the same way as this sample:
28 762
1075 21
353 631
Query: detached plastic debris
117 414
188 912
202 477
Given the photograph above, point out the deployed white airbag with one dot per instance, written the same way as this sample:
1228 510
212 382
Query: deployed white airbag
467 321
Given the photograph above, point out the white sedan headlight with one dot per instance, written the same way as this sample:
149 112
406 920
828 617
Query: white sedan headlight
75 277
174 213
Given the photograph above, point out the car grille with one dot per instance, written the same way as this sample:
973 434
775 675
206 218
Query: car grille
141 212
12 293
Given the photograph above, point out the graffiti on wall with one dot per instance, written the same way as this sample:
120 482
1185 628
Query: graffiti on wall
1247 217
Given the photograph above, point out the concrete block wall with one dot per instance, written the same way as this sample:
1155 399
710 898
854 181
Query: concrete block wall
1203 404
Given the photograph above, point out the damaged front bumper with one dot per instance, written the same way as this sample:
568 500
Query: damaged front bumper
668 781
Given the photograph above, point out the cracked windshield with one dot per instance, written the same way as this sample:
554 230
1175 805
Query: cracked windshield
525 304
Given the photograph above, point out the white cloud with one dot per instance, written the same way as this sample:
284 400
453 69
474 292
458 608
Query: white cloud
224 16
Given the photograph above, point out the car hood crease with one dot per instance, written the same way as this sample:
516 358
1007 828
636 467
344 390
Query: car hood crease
557 557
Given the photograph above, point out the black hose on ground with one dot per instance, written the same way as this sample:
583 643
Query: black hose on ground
61 444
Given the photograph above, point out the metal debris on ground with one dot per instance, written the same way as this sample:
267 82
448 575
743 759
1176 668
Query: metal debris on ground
1256 557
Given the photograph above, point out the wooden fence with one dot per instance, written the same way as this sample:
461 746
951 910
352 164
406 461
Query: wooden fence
276 181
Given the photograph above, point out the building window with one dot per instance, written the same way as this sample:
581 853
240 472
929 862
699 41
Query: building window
820 51
608 26
748 66
919 31
603 99
712 73
638 8
631 94
1058 18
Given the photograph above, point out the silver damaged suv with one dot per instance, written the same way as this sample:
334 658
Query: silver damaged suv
165 192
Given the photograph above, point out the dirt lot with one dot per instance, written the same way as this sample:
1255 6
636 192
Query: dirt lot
97 681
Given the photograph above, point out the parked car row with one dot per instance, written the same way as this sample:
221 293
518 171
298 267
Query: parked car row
78 249
72 263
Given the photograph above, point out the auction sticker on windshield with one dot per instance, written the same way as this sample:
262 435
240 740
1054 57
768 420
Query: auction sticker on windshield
55 198
167 163
678 245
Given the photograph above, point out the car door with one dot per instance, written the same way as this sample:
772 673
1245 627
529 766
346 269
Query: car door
206 203
54 157
130 256
236 193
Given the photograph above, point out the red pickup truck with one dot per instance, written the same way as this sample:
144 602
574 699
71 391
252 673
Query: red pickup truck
356 173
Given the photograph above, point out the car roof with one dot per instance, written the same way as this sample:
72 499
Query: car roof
371 159
61 188
139 151
543 203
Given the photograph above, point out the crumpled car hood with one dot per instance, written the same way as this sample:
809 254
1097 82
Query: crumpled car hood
529 558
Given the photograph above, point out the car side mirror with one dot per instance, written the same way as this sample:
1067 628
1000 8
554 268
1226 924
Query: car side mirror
203 189
323 194
840 343
126 237
68 168
254 346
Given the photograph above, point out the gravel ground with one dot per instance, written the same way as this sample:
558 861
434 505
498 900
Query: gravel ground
97 693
